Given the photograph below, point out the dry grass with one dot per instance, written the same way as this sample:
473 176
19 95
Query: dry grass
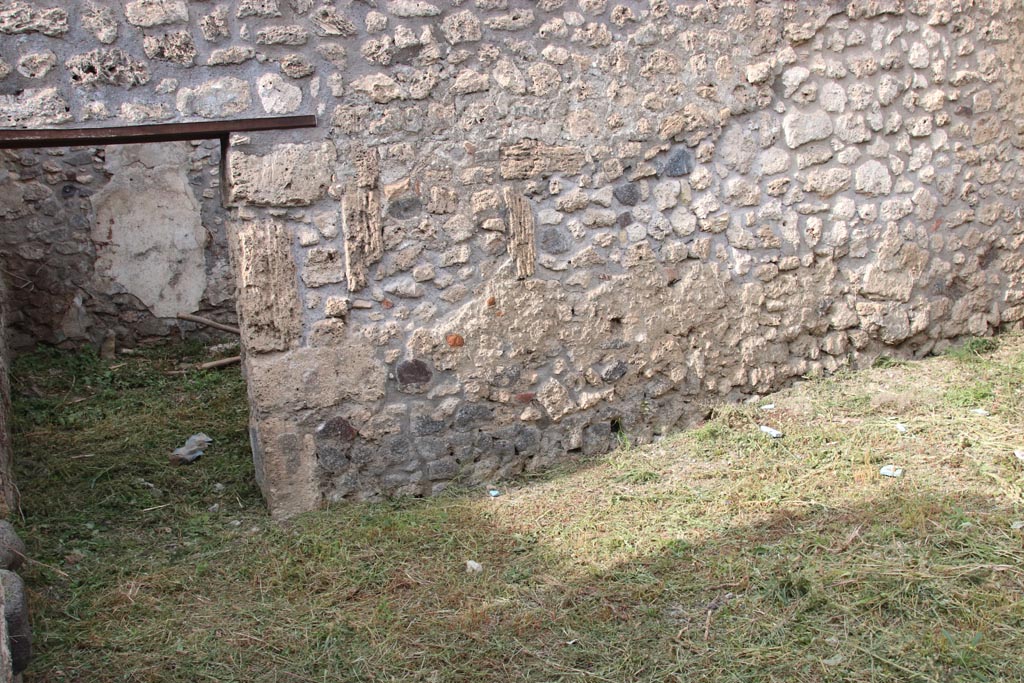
715 555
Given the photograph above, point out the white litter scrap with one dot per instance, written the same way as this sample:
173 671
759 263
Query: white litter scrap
1019 524
768 406
1019 455
473 567
773 433
901 428
891 471
981 411
194 446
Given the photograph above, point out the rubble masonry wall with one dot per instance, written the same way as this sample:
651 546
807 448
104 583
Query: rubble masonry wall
524 227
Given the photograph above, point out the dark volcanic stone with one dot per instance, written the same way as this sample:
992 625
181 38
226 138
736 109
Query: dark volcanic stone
554 240
337 428
413 372
470 413
405 207
679 163
425 425
597 438
624 219
628 194
614 372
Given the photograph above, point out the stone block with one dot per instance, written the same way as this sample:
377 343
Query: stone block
800 127
286 466
290 175
21 17
268 298
34 108
521 233
277 96
531 159
216 99
316 377
150 13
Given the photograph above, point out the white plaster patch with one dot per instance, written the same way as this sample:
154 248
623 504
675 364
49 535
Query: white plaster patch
149 237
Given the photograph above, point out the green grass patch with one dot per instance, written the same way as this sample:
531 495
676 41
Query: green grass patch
973 395
717 554
974 349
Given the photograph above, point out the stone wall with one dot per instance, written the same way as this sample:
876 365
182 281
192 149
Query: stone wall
113 241
8 491
524 227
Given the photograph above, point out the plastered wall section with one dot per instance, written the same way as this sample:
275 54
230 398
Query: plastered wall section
524 228
113 242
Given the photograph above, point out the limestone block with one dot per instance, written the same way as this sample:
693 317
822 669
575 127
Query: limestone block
290 175
412 8
468 81
215 24
286 466
148 231
544 79
328 22
508 76
140 112
893 285
323 267
793 78
461 27
21 17
381 88
521 233
37 64
827 181
742 192
316 377
258 8
110 66
361 220
236 54
872 178
220 98
774 160
268 298
282 35
296 66
277 96
33 108
555 399
149 13
177 47
530 159
799 127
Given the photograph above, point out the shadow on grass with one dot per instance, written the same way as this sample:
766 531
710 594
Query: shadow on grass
588 574
905 587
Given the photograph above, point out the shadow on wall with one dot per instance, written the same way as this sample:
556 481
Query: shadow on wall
114 241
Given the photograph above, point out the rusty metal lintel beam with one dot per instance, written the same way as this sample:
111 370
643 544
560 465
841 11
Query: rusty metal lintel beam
158 132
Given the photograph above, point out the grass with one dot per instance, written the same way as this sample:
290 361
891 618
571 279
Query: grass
716 554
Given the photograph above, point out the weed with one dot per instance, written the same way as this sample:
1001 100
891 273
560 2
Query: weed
888 362
973 349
